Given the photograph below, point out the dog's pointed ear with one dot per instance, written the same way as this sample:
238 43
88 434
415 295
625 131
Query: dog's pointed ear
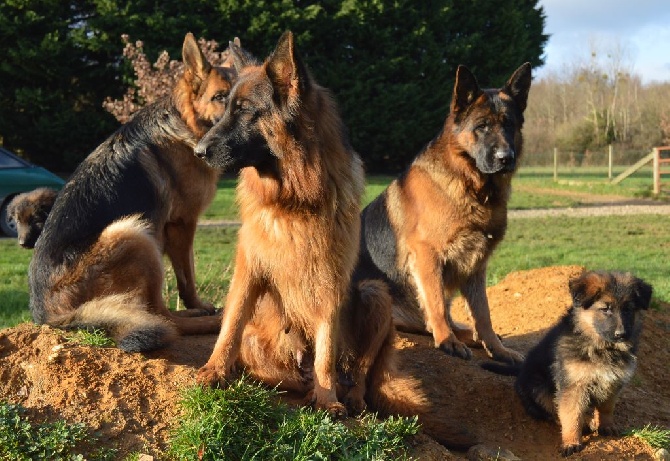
585 289
642 293
466 89
238 58
518 85
286 71
197 66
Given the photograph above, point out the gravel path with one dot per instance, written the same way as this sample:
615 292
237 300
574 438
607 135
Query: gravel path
609 209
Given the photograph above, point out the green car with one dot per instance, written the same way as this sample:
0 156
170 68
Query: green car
18 176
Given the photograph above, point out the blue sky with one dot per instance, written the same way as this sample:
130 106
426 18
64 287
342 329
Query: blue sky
640 27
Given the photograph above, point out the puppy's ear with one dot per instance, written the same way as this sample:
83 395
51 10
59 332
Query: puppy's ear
586 288
642 293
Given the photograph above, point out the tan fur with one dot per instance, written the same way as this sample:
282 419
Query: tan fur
29 211
293 317
297 242
126 258
447 217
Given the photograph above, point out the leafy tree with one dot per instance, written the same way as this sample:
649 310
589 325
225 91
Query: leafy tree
51 81
389 63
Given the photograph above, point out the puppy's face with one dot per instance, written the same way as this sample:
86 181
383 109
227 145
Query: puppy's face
608 305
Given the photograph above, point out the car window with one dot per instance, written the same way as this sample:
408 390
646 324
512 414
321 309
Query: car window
7 160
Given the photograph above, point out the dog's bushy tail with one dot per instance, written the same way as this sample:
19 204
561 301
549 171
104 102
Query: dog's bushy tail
392 392
124 318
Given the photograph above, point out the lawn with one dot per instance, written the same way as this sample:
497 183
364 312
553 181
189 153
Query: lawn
637 243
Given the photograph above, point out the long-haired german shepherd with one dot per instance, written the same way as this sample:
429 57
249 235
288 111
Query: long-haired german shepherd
29 211
98 262
293 314
299 194
432 231
577 371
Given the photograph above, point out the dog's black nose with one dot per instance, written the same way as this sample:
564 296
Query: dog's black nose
505 156
200 151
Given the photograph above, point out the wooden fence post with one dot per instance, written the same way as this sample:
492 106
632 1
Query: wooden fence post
609 163
657 171
555 164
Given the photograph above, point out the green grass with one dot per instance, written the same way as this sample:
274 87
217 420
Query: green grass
640 244
95 338
247 422
23 440
654 436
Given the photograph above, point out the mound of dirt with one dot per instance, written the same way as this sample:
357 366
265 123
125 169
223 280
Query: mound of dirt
130 399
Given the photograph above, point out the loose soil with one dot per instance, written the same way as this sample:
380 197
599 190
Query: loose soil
130 399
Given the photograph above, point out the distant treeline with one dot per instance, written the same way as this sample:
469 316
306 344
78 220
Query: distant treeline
390 64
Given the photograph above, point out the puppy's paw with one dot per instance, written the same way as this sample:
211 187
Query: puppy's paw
567 450
456 348
506 355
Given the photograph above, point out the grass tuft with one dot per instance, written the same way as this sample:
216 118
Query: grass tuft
94 337
22 440
246 421
654 436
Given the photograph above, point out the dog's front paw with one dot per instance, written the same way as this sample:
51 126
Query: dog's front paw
456 348
334 409
567 450
209 376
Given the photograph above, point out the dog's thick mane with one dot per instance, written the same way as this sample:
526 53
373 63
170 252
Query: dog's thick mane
317 140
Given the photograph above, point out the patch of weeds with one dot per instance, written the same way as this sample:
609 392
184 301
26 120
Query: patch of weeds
22 440
654 436
93 337
246 421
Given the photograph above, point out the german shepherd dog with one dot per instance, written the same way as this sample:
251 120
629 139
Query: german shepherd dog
581 365
98 262
29 211
432 231
299 194
293 314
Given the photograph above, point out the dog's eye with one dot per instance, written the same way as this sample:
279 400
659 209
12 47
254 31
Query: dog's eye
220 97
243 105
605 308
482 127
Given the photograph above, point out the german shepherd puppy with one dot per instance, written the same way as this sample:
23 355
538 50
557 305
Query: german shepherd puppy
98 262
432 231
294 315
576 372
299 194
29 211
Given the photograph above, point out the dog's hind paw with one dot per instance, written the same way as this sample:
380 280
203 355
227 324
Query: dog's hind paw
607 431
456 348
